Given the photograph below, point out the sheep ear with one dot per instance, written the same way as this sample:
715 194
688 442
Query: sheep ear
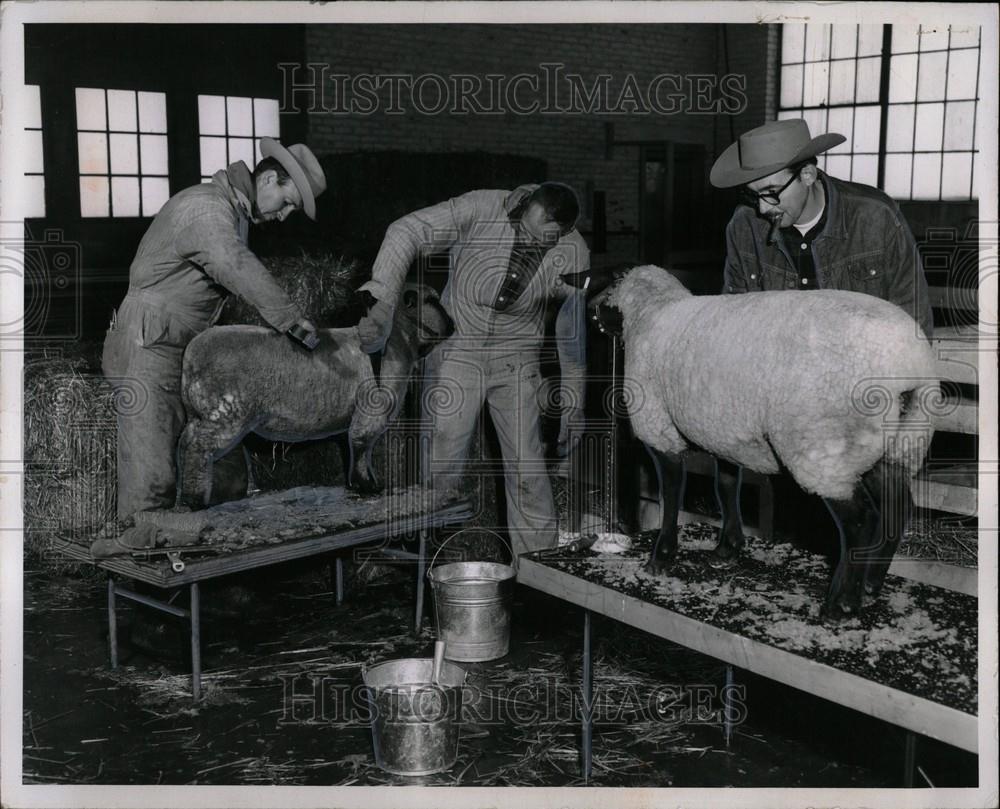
410 299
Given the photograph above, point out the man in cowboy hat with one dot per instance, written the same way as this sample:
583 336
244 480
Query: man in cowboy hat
194 253
508 251
802 229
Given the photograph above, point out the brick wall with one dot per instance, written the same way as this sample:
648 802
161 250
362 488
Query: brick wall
574 145
753 53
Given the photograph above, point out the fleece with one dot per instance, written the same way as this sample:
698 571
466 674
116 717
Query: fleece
242 379
824 382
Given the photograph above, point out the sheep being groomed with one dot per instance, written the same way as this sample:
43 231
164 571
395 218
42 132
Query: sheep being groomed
834 386
243 379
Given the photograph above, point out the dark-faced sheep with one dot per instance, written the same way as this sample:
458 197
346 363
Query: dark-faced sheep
243 379
833 386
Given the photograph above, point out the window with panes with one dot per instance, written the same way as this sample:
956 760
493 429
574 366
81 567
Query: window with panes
905 96
122 143
230 129
33 161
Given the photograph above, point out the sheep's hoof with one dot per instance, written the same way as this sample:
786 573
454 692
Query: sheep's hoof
365 486
872 589
840 610
189 502
658 565
718 561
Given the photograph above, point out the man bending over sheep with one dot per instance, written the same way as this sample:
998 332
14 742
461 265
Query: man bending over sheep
508 250
193 253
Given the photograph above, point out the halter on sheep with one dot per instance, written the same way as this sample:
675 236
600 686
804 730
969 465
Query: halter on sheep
833 386
243 379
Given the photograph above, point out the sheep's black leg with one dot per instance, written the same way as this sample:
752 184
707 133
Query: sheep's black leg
194 466
361 476
728 478
199 445
854 518
670 473
231 476
889 488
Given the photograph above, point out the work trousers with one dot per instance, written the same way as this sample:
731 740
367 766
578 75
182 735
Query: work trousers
459 380
147 393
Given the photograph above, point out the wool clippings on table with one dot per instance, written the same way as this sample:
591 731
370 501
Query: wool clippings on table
915 637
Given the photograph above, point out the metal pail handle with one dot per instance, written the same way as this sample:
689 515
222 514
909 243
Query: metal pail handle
506 544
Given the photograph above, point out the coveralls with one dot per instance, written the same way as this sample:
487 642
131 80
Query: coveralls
193 254
493 357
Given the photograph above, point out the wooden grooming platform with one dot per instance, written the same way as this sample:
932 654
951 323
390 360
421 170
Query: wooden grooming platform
910 659
267 530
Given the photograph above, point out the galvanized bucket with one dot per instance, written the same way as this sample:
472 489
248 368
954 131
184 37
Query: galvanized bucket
472 608
415 722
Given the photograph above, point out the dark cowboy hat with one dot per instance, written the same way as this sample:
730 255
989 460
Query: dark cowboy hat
302 166
767 149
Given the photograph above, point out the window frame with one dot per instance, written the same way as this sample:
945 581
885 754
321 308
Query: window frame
227 137
40 129
884 103
137 133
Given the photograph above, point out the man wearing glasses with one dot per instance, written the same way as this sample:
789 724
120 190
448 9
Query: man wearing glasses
802 229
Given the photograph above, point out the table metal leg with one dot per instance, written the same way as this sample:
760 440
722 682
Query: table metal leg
909 758
112 623
338 583
195 641
421 567
588 696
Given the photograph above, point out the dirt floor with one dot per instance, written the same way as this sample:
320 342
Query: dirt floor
275 644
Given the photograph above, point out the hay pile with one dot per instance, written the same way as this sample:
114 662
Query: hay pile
943 538
69 452
319 285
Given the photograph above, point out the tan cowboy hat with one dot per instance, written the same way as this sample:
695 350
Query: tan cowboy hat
302 166
767 149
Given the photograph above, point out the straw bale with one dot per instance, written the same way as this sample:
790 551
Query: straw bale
69 452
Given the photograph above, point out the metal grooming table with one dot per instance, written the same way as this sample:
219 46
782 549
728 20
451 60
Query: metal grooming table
914 663
315 521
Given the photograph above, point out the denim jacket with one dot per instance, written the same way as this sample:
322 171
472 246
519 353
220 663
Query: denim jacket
866 246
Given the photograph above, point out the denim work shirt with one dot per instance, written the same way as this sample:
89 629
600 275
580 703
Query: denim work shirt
193 254
865 246
476 230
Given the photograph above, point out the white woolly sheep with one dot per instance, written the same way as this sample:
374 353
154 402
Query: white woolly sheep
243 379
832 385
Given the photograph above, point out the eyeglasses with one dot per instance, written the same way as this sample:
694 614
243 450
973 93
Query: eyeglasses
753 199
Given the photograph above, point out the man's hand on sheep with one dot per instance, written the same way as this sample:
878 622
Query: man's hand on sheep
373 329
304 333
356 308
